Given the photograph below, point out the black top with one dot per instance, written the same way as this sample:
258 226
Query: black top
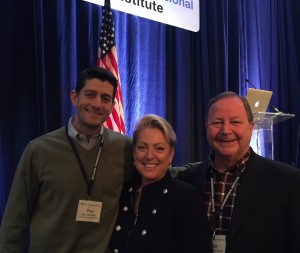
170 219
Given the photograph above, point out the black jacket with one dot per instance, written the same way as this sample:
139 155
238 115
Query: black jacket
266 215
171 219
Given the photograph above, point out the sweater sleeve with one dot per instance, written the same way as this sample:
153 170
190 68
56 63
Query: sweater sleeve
20 205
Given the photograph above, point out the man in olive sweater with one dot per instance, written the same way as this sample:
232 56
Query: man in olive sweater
67 185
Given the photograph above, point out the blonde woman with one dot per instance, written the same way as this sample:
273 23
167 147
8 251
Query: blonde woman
158 213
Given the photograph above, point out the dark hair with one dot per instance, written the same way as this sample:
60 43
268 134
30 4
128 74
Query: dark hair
155 121
98 73
231 94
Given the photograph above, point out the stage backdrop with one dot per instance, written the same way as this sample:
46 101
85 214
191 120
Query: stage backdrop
164 70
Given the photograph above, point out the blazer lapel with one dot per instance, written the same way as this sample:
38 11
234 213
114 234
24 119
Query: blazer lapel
250 189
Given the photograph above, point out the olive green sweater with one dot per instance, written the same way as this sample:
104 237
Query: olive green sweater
48 186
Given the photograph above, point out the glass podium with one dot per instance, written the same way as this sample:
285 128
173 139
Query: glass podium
262 135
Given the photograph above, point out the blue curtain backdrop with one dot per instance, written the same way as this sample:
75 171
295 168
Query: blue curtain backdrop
164 70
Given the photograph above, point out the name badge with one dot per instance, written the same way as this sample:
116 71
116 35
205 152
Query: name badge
219 243
88 211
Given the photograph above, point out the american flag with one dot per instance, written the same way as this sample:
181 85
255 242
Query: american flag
108 59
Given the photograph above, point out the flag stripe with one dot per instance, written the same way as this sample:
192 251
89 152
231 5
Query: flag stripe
108 59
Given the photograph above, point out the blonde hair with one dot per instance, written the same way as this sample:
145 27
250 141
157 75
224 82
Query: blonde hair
155 121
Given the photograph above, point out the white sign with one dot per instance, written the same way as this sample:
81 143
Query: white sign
179 13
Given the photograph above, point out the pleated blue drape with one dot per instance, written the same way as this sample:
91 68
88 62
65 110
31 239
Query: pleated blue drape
164 70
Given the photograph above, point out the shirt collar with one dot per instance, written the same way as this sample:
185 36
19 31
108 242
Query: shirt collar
237 168
80 138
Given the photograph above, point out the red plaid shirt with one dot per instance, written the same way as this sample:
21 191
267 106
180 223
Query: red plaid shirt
222 183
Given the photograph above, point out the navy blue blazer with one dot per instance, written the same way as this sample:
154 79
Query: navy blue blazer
266 215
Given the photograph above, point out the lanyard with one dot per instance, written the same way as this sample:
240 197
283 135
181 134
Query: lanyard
90 183
215 215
